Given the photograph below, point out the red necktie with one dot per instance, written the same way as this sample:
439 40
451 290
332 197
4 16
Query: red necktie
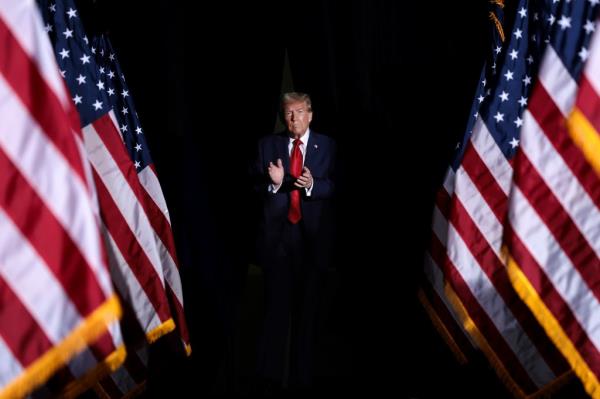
294 213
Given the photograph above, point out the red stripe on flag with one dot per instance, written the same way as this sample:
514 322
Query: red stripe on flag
588 102
22 74
19 330
443 202
179 314
131 250
496 272
53 244
485 325
103 346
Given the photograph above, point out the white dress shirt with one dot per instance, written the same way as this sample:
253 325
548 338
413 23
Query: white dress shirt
303 145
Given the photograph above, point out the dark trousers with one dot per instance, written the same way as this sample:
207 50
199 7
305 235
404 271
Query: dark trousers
292 288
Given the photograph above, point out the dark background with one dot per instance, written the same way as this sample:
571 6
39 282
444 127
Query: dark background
392 82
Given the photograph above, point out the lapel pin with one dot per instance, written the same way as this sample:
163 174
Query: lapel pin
316 146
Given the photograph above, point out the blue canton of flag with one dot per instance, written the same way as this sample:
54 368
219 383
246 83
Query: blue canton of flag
497 16
121 101
75 59
573 33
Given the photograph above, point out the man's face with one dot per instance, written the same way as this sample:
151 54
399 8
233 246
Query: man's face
297 117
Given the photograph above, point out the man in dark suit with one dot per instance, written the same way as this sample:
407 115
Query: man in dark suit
294 179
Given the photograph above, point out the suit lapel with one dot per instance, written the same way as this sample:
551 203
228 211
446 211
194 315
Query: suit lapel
284 154
311 150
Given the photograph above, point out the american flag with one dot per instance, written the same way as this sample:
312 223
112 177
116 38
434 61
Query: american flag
134 257
137 147
432 294
55 291
471 209
133 237
552 234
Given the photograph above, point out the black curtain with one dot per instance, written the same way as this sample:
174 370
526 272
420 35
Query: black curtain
391 81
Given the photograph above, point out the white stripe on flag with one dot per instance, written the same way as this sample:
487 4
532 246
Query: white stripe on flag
150 182
593 63
172 276
114 329
10 368
449 181
491 155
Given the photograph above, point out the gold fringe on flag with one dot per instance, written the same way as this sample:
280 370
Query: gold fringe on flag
585 137
161 330
85 333
530 296
498 25
494 18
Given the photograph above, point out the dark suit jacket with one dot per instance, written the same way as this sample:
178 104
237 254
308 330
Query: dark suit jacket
316 215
